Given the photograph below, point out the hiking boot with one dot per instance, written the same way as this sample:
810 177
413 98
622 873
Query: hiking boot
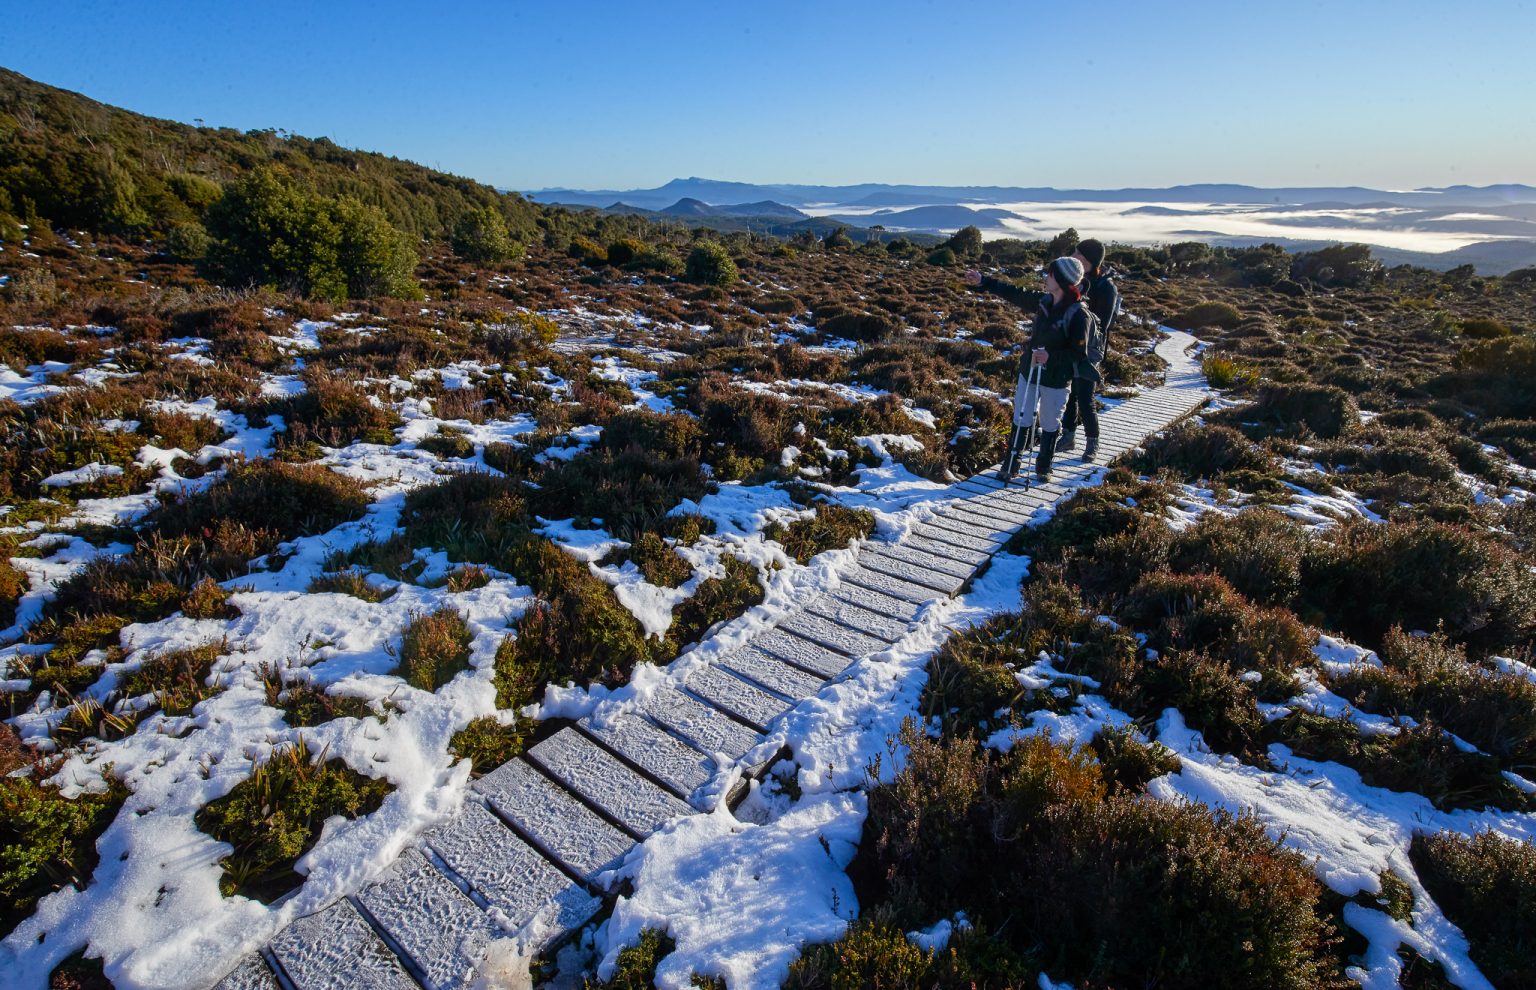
1091 449
1044 457
1068 440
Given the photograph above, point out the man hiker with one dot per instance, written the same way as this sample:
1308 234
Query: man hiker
1103 300
1057 342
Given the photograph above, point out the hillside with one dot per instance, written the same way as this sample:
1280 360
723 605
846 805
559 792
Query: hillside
287 580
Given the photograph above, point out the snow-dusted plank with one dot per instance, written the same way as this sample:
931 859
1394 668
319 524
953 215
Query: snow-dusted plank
589 770
964 555
442 930
924 559
337 950
992 535
990 526
511 876
885 584
937 582
995 510
809 654
730 693
858 638
676 764
705 726
947 535
898 609
848 611
772 673
560 825
253 973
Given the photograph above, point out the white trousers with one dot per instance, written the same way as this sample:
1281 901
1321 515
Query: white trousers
1052 402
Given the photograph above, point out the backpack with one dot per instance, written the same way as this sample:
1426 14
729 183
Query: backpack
1098 336
1095 338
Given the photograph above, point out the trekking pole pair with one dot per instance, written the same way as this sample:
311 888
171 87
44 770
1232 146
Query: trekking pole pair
1026 434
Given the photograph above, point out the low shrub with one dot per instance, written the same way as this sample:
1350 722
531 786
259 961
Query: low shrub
959 828
970 678
47 841
178 679
1417 759
306 704
658 561
208 600
831 527
1224 372
1325 410
717 599
1484 329
636 969
875 953
352 582
1429 679
1486 885
274 816
1127 764
447 443
1365 578
487 742
284 500
1207 314
1196 452
709 263
433 648
1258 551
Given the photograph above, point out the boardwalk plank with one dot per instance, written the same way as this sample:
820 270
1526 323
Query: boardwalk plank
443 932
592 772
560 825
336 949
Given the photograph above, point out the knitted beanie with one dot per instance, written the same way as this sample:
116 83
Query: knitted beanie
1067 271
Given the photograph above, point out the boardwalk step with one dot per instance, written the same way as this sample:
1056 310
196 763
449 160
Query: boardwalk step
441 930
897 610
924 559
512 877
253 973
771 672
857 638
708 728
336 949
895 587
676 764
954 538
936 582
752 705
590 771
557 823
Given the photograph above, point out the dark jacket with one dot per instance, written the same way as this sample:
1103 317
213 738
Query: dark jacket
1065 341
1103 298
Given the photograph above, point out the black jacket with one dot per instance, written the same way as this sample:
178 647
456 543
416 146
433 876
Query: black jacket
1065 341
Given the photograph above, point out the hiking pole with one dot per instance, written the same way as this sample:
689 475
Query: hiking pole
1032 395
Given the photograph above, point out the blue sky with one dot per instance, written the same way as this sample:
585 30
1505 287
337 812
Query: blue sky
608 95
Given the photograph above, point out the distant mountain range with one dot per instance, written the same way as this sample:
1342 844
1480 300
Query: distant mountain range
876 194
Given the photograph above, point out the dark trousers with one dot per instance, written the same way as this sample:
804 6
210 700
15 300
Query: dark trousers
1080 405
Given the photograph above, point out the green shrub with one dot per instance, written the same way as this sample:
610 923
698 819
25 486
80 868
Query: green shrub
13 584
943 257
480 236
636 968
660 563
1224 372
1127 764
875 953
709 263
1259 551
1486 885
832 527
1207 314
188 241
969 680
487 742
716 600
447 443
47 841
284 500
352 582
624 251
433 648
305 704
274 816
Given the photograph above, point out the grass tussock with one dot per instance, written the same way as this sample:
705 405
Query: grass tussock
274 816
831 527
487 742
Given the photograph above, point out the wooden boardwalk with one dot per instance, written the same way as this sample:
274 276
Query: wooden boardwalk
527 852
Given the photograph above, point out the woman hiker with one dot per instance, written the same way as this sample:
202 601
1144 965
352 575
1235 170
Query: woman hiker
1057 342
1103 300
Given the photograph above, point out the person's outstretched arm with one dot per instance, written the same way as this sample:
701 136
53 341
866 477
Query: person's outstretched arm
1019 297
